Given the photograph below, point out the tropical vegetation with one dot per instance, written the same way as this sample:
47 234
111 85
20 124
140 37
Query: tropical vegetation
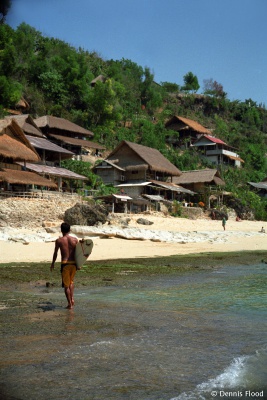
55 78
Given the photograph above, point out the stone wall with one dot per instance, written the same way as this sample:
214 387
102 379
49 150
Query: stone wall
192 212
34 213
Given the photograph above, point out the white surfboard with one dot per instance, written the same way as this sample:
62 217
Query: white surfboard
83 250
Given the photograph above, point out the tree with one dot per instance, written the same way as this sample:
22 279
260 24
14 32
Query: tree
170 87
213 88
151 96
10 91
190 82
130 75
4 8
103 107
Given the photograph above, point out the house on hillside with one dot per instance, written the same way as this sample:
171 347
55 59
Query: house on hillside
22 106
49 157
131 162
50 126
260 187
217 152
99 78
15 147
132 167
50 153
69 136
188 131
205 182
62 177
27 124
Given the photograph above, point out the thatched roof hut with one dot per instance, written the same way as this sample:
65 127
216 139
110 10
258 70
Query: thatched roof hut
13 143
54 125
22 104
27 124
53 171
147 156
77 142
99 78
19 177
208 176
49 150
177 123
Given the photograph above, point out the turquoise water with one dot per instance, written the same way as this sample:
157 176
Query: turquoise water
189 336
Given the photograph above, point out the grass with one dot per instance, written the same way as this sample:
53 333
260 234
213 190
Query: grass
116 272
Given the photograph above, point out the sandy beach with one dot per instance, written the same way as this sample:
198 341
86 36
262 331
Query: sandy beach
239 236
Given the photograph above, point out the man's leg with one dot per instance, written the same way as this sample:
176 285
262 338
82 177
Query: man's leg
72 293
68 296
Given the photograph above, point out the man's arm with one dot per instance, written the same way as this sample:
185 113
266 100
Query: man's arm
54 256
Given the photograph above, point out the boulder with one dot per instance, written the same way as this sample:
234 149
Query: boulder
144 221
86 214
118 220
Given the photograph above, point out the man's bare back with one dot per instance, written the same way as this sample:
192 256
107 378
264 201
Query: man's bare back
67 245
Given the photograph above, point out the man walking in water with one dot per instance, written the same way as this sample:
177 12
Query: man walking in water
66 244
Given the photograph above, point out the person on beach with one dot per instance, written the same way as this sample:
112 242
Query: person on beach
66 244
224 223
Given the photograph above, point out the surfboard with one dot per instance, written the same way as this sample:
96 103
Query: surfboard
83 250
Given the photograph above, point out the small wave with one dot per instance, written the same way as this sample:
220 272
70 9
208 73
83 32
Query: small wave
246 373
102 343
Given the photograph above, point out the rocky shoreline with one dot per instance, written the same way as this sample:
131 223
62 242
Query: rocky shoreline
35 220
42 235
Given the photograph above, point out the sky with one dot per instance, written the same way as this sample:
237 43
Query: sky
223 40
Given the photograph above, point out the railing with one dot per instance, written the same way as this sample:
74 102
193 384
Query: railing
38 194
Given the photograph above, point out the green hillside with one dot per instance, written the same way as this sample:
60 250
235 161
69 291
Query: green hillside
55 78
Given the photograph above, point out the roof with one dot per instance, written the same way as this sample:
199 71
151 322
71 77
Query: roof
54 171
153 197
150 156
133 184
109 165
78 142
199 176
24 178
22 103
61 124
260 185
99 78
14 144
26 122
172 186
122 197
188 122
211 139
234 158
41 143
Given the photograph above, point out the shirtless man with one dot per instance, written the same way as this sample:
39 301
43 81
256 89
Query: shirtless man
66 244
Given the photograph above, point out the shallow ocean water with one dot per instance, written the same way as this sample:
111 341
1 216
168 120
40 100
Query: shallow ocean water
191 335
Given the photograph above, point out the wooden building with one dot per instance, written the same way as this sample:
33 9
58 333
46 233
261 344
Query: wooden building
15 147
204 182
27 124
217 152
70 136
260 187
135 164
188 131
99 78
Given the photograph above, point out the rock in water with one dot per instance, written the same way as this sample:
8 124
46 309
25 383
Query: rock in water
86 214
